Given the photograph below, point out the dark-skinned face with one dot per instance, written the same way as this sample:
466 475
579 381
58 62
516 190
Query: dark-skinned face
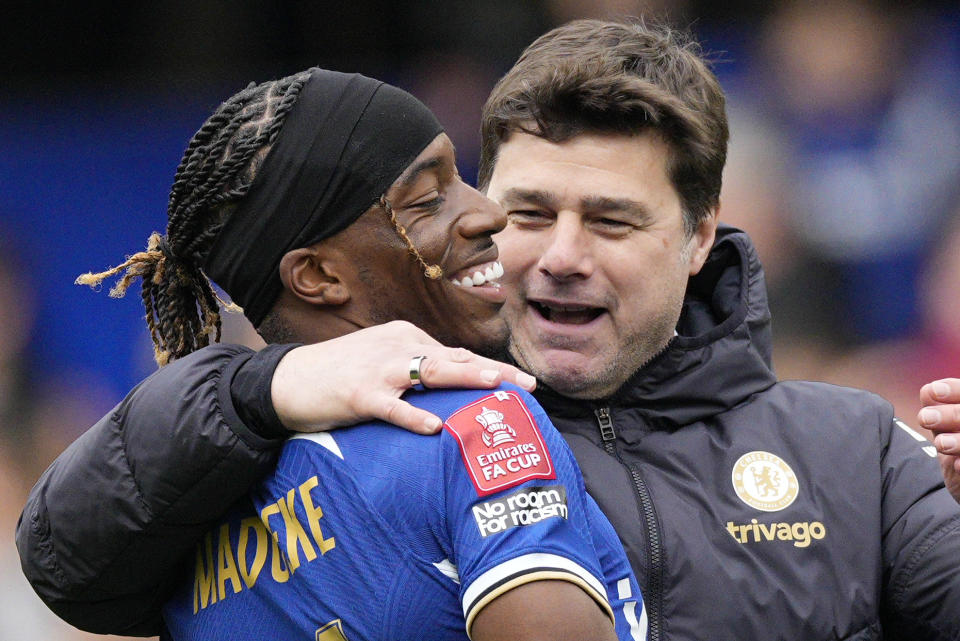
451 225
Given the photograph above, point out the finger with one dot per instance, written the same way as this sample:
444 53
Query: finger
520 378
506 371
443 374
947 444
403 414
946 390
940 418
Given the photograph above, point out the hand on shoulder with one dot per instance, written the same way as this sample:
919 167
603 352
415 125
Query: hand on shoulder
940 413
362 376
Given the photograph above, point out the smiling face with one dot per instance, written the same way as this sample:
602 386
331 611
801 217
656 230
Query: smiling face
450 224
595 254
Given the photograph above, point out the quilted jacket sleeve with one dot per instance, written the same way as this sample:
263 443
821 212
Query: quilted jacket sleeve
921 542
110 522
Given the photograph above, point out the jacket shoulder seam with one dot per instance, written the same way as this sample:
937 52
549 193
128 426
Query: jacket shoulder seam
41 528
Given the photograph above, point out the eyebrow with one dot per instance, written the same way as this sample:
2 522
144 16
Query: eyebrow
423 166
588 204
632 208
532 196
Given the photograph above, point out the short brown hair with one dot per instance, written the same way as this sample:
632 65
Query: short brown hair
598 76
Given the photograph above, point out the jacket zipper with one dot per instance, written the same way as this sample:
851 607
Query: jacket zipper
653 597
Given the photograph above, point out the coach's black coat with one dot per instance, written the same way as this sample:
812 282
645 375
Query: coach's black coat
750 509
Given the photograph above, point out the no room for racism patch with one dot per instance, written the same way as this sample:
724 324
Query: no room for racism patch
526 506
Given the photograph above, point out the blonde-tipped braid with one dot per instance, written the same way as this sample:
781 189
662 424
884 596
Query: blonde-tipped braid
433 272
168 286
217 168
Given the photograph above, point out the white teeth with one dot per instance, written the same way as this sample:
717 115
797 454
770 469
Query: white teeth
490 274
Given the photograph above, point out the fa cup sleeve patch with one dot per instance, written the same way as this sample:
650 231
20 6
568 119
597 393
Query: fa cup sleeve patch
500 443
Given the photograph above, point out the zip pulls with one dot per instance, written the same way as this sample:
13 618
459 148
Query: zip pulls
607 433
653 586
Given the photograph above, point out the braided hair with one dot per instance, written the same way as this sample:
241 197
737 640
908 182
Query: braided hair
217 169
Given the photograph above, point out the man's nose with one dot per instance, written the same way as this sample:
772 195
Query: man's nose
567 253
481 216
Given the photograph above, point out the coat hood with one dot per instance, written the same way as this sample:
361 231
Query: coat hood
720 356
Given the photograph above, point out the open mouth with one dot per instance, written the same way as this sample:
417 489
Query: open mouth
479 275
567 314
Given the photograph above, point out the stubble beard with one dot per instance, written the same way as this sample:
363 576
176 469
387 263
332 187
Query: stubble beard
635 351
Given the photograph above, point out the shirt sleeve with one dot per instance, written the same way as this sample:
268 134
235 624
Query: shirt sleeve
515 504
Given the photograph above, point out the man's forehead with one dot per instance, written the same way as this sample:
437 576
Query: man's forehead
437 156
585 139
601 171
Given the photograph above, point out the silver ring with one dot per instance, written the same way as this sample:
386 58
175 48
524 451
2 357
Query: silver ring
415 380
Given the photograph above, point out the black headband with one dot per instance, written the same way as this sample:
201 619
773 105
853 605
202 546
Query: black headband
344 142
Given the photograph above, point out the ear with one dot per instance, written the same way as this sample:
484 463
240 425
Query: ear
312 276
701 242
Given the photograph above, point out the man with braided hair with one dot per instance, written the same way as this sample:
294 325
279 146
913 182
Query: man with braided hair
215 172
330 202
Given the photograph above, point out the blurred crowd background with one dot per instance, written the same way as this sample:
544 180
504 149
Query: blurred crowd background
844 166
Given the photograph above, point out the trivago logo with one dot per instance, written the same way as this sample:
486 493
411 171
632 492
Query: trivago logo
765 482
500 443
800 533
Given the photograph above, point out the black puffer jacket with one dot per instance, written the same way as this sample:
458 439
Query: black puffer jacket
107 526
753 509
750 509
